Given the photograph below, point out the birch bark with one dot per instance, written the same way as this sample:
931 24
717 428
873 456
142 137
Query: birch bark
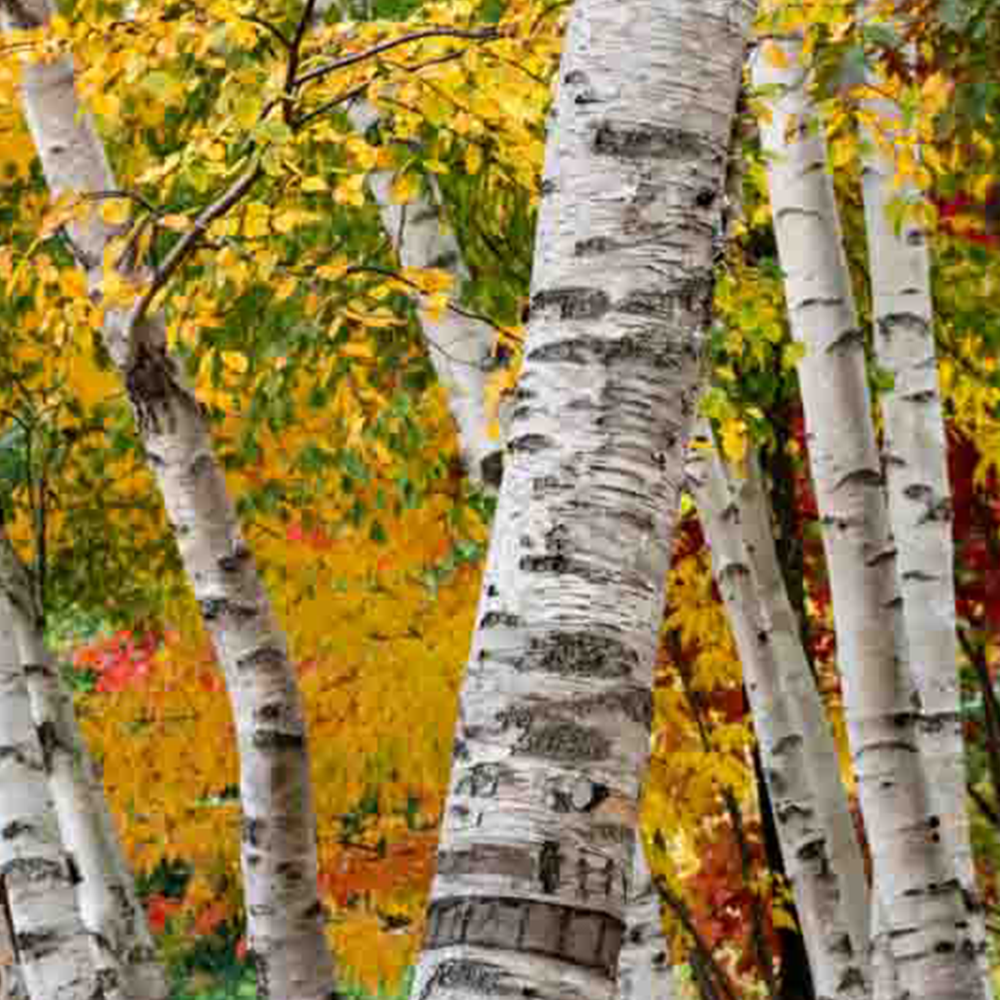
924 917
914 456
818 842
538 835
121 944
285 918
50 941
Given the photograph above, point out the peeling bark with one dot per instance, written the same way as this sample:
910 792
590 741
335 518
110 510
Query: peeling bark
539 829
923 917
51 945
818 843
121 944
285 918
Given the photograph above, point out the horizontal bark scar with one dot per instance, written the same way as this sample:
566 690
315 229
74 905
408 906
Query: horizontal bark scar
629 142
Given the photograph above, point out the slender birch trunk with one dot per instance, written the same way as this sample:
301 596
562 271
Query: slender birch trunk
51 944
123 948
460 347
818 842
925 918
914 456
284 915
539 829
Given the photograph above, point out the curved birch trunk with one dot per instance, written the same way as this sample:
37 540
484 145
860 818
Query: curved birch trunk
818 842
539 829
644 969
284 916
914 456
123 948
922 913
51 944
460 347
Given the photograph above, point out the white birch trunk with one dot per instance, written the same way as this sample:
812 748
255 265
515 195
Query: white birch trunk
539 829
11 980
925 917
818 842
52 946
914 456
284 916
122 946
460 347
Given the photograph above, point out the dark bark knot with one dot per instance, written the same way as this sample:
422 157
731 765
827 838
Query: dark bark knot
151 385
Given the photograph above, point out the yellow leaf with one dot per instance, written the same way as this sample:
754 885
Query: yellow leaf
473 159
115 211
775 55
314 184
404 188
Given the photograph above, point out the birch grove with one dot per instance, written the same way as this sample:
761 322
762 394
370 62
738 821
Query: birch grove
922 920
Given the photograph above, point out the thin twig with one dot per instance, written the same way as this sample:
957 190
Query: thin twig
484 35
186 244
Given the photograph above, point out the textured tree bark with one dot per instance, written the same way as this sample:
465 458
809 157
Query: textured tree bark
818 842
11 980
285 918
538 835
122 947
460 347
51 944
923 917
914 456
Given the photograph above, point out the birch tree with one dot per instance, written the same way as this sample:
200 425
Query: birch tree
923 921
109 906
536 850
818 842
914 457
51 945
285 918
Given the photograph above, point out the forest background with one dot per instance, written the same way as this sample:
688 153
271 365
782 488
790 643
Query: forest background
305 336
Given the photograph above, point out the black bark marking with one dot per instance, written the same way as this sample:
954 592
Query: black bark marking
264 658
549 865
628 142
34 870
152 386
14 829
593 246
465 975
564 741
488 859
214 608
481 781
530 443
584 938
38 944
235 561
573 303
254 831
48 739
580 654
491 469
276 739
495 619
